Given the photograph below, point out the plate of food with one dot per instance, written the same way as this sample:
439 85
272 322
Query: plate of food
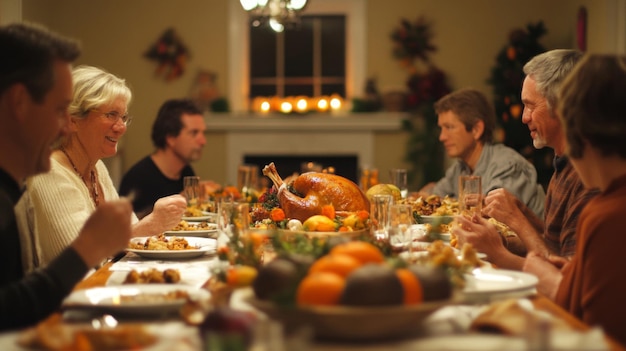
199 229
200 216
134 300
435 219
485 283
171 247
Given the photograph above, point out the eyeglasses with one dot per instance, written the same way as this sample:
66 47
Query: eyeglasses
114 116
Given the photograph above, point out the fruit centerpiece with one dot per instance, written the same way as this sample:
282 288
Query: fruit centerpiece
345 288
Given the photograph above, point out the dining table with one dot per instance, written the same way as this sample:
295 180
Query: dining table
446 329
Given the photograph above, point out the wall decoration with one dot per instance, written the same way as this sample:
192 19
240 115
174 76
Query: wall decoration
170 54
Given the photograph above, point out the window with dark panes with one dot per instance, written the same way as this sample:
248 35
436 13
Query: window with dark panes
309 60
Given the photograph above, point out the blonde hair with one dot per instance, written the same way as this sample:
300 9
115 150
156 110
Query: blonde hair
94 87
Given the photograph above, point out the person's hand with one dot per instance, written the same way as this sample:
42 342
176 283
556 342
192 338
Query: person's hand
106 232
167 212
501 205
478 232
547 269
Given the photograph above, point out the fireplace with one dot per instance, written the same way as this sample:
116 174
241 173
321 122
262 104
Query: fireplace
345 142
344 165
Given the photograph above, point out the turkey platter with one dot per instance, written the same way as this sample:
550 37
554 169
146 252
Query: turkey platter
309 192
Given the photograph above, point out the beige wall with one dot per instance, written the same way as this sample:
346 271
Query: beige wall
469 34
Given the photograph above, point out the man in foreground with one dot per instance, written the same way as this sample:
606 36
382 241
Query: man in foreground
35 91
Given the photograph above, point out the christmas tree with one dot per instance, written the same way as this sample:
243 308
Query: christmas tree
507 77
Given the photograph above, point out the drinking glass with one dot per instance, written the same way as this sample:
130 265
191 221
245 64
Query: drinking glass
380 211
400 231
247 179
398 177
470 194
191 189
233 216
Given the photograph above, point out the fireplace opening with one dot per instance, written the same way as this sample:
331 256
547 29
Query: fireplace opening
344 165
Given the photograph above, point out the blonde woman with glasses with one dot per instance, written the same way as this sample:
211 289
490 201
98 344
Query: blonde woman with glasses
56 204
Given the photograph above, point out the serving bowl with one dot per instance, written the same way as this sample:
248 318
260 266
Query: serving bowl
322 235
349 323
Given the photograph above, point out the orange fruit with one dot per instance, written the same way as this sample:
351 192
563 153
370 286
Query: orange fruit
321 288
361 250
413 291
340 264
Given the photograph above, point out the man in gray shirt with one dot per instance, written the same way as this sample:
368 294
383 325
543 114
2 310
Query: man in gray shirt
467 121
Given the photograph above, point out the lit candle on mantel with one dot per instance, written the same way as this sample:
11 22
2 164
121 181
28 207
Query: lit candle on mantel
265 106
302 104
336 102
322 104
261 105
286 107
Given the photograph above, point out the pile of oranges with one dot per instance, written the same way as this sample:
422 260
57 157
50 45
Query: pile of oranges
329 276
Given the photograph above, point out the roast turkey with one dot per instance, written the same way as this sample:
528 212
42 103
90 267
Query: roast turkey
308 192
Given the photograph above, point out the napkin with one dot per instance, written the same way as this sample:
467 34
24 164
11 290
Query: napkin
514 317
541 330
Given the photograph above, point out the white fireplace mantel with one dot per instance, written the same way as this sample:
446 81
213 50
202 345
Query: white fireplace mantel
316 134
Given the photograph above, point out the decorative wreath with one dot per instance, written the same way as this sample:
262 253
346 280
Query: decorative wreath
413 40
171 55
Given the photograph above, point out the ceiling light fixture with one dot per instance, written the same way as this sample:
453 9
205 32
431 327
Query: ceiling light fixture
278 14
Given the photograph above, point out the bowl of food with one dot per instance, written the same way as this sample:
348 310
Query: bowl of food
351 323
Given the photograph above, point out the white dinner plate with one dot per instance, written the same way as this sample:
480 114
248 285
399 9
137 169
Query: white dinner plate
204 246
484 283
210 232
436 219
206 216
112 299
421 250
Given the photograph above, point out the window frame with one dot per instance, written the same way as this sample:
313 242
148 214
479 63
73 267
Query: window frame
238 47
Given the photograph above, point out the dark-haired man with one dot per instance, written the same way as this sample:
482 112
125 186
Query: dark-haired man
35 92
178 136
